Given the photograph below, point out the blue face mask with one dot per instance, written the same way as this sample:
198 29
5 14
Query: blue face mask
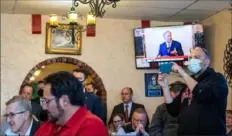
194 65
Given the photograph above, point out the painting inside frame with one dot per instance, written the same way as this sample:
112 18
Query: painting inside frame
59 40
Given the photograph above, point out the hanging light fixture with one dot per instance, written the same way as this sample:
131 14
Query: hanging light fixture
97 10
97 6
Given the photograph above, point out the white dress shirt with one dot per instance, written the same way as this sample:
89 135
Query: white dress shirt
121 132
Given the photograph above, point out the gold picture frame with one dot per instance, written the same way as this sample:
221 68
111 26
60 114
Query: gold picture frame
58 40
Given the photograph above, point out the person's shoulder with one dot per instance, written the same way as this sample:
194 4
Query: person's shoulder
161 106
90 118
138 105
215 74
118 105
45 124
90 95
163 44
175 42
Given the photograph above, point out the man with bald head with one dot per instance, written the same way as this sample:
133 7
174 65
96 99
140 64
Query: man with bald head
202 108
127 107
170 47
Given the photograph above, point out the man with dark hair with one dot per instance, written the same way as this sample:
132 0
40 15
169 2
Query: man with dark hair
27 91
92 101
65 102
137 125
202 108
162 123
127 107
40 84
90 87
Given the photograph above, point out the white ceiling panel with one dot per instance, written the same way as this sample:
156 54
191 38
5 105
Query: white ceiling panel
135 17
196 12
156 4
192 15
141 11
210 5
126 9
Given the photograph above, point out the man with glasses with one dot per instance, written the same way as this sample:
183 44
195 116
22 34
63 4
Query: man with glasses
18 116
201 109
137 125
64 100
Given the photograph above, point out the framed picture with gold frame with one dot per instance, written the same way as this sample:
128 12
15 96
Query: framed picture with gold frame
59 40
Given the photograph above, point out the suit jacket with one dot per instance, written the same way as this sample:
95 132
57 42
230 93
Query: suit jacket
95 105
35 126
163 50
36 109
119 109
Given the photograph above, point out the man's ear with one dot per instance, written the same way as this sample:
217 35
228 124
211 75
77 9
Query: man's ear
64 101
207 61
26 115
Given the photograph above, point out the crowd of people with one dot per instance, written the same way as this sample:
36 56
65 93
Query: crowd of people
67 105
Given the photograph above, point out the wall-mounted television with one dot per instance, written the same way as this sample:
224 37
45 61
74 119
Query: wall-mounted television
165 44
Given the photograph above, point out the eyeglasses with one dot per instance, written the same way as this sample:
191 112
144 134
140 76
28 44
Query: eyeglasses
117 121
11 114
46 101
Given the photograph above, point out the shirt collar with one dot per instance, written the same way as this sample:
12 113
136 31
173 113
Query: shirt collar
167 43
129 104
204 74
77 116
29 129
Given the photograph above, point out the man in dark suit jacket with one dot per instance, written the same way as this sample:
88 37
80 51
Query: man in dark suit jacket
27 92
170 47
126 95
92 101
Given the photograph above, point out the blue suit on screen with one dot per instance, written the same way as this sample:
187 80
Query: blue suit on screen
165 51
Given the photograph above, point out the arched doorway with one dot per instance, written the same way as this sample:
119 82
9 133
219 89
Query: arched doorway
79 64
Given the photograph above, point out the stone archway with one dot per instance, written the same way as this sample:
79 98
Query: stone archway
97 80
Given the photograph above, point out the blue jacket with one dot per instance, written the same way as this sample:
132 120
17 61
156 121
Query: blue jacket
163 50
95 105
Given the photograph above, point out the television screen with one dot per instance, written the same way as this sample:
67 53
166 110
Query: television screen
164 44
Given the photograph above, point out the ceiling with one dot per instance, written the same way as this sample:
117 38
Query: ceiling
162 10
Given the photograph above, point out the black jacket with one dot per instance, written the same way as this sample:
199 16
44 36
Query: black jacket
35 126
205 114
162 123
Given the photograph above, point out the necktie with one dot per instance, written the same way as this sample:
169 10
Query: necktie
126 113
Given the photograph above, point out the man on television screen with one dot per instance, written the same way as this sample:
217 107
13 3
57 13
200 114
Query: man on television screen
170 47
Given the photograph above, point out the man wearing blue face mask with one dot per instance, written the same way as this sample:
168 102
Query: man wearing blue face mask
201 109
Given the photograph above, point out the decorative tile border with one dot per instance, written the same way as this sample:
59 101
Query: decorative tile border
97 80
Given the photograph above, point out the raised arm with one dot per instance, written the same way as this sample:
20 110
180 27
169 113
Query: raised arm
173 105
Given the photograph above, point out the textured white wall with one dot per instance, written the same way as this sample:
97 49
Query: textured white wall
110 54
